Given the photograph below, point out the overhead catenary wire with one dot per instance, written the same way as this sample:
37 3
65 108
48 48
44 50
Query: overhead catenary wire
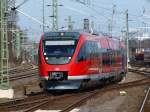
27 15
95 10
76 10
18 6
25 1
99 13
119 13
84 13
32 18
110 10
116 12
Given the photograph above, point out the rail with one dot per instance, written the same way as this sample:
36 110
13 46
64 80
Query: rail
145 99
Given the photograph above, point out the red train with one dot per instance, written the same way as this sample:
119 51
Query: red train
73 60
142 57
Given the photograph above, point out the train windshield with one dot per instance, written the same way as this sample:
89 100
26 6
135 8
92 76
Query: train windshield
59 52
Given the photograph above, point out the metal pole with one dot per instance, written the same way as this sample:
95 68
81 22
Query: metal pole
127 38
92 25
18 45
43 15
55 15
4 77
110 26
70 27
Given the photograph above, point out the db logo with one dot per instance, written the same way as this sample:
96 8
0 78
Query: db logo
57 68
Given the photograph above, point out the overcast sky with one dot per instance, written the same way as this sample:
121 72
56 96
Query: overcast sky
100 11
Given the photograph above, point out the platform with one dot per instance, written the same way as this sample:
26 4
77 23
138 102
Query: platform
6 93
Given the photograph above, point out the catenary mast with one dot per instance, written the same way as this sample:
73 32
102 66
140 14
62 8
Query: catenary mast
4 77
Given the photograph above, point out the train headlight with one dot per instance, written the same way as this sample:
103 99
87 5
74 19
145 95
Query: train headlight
46 58
61 34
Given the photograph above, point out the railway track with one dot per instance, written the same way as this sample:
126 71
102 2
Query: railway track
37 100
111 88
145 106
142 72
23 75
71 100
19 69
18 103
116 87
23 71
137 64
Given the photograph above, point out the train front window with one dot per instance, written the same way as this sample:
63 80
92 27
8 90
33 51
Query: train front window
59 52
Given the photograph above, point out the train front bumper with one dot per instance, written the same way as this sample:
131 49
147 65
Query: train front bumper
61 85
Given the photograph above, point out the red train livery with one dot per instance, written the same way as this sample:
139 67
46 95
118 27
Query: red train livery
73 60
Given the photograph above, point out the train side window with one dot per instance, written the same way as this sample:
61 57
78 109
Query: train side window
92 49
81 55
95 50
113 57
89 50
106 59
119 55
110 58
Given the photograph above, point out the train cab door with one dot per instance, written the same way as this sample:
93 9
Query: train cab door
119 55
100 63
116 61
94 57
82 62
111 60
123 60
105 62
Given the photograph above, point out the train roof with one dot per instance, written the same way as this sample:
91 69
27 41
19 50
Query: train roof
67 34
73 34
105 41
59 34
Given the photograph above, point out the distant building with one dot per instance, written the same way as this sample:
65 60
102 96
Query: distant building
139 44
